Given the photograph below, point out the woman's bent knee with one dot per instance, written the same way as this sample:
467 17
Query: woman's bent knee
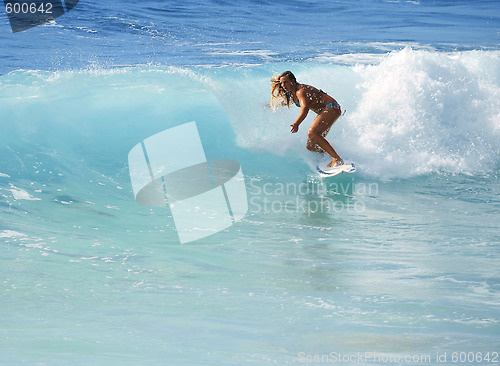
314 147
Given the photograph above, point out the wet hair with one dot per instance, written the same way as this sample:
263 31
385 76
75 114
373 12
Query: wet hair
279 96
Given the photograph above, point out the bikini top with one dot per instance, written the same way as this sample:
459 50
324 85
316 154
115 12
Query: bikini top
289 96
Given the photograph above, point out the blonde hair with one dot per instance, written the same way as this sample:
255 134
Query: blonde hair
279 97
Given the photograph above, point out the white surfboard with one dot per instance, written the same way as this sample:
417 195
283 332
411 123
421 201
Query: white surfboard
326 171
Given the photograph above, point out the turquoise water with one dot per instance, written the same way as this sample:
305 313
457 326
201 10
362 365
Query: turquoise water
394 264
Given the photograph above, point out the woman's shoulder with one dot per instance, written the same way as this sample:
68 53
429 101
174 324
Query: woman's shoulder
308 89
304 88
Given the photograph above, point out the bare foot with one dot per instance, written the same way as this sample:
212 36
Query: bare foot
335 162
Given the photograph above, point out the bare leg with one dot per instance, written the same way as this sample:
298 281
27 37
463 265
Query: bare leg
317 133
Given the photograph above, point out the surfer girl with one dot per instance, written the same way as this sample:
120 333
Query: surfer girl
286 89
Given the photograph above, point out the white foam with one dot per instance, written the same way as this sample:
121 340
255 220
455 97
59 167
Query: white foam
11 234
421 112
264 54
21 194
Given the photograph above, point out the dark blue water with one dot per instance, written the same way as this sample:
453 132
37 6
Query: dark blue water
245 32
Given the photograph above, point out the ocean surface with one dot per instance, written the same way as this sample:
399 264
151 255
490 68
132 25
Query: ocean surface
396 264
